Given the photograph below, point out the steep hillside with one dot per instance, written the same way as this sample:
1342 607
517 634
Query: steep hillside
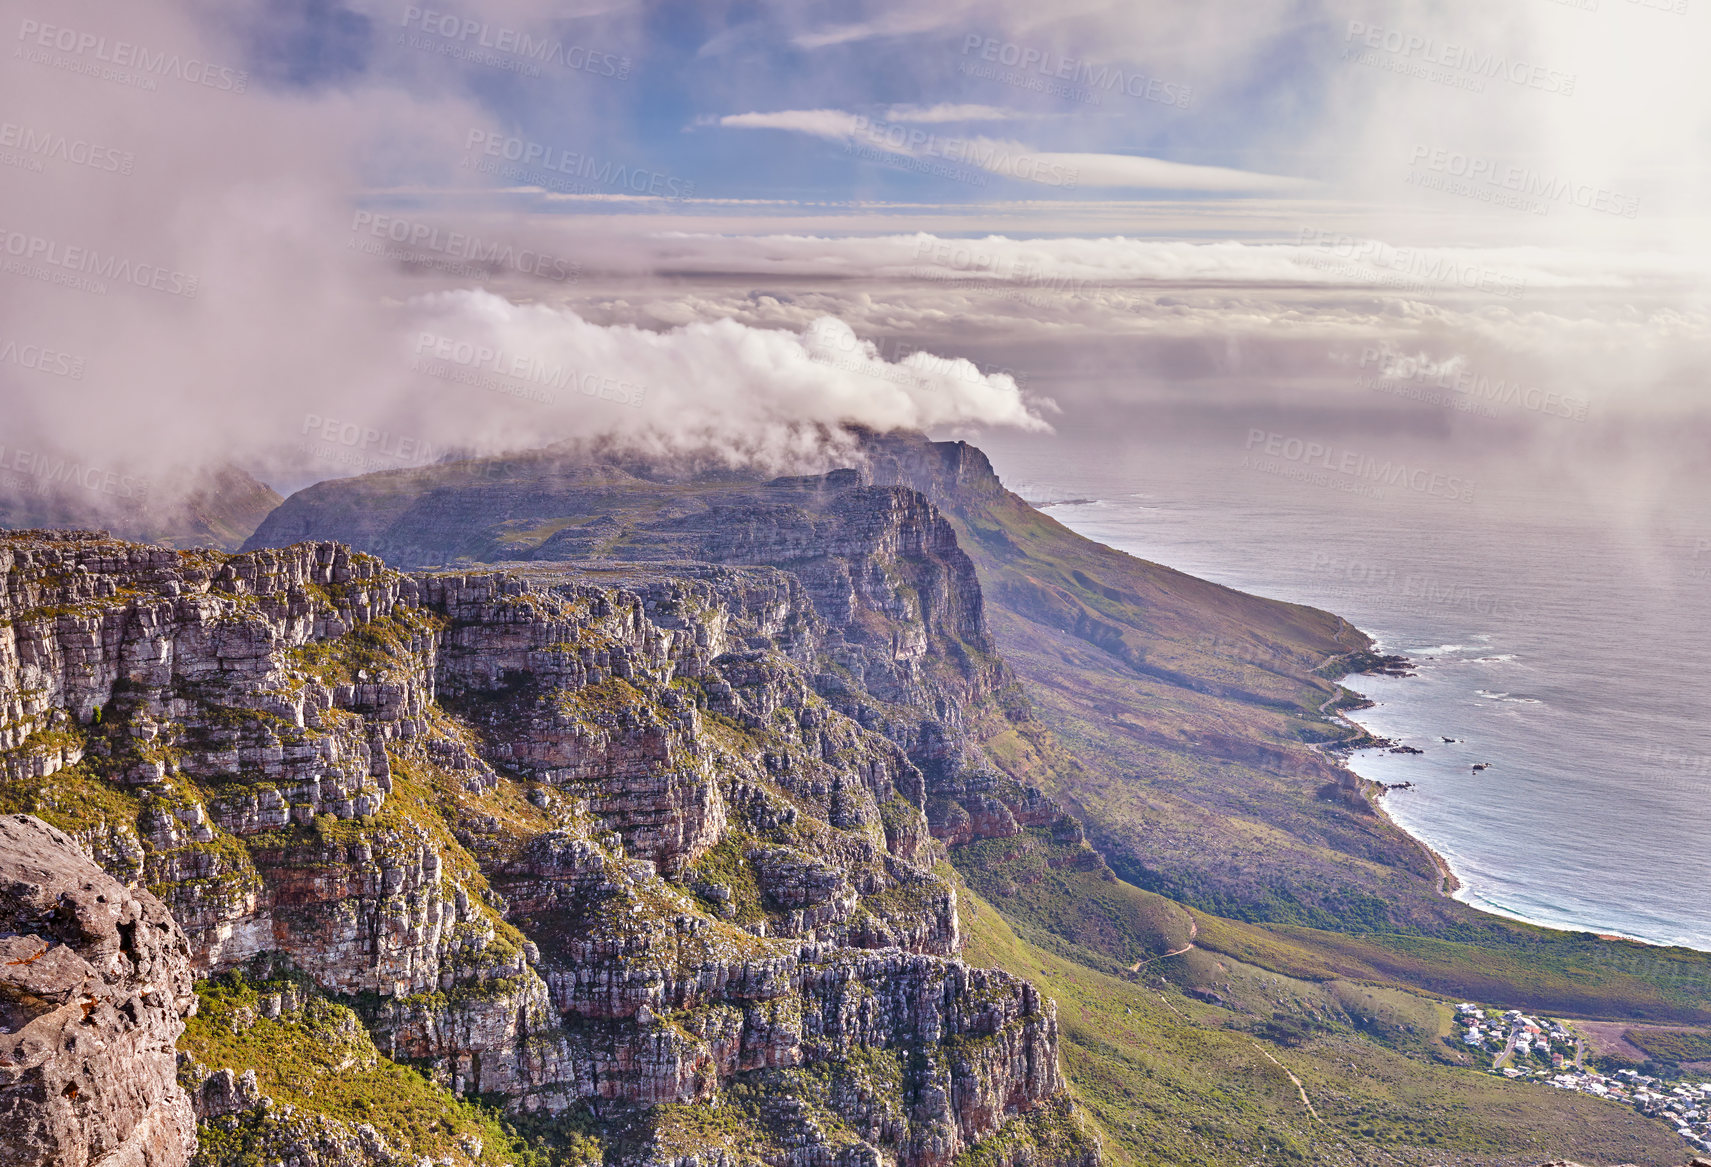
1186 707
1183 723
1194 748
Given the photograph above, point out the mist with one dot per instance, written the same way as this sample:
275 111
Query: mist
308 247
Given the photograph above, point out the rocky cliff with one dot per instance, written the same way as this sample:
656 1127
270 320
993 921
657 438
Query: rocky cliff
611 845
904 647
95 981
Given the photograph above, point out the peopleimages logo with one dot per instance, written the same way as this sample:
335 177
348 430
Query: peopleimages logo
1395 368
1523 181
1419 591
123 55
1457 62
1406 267
979 267
44 144
984 153
39 359
554 160
369 439
412 233
453 354
469 37
1291 457
85 268
42 471
1091 78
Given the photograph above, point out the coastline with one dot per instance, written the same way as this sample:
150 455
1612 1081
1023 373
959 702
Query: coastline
1372 790
1449 883
1477 864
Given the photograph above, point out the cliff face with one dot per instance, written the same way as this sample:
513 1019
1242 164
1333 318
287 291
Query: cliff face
95 981
903 644
581 841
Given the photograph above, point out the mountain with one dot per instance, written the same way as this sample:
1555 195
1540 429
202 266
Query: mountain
215 508
642 815
576 849
1186 716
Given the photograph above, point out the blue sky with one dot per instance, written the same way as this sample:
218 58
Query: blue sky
686 66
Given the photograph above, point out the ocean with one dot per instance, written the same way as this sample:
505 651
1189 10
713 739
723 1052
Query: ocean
1559 620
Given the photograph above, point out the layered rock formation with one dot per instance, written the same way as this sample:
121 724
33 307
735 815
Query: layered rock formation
583 841
95 981
903 644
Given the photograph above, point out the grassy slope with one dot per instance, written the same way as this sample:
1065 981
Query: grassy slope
1174 1080
1189 708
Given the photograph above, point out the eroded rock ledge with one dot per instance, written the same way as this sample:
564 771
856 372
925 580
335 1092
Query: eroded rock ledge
95 983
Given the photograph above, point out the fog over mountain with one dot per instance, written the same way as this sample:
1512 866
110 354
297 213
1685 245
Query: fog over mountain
854 583
299 200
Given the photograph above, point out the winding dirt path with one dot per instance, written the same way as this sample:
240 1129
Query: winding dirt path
1299 1088
1193 931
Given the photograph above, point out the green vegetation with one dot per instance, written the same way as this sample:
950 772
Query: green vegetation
373 649
1179 721
1516 965
72 799
318 1056
1672 1045
1055 1132
727 867
1258 976
1169 1078
1063 897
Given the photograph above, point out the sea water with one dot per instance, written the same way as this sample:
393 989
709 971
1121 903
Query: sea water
1560 637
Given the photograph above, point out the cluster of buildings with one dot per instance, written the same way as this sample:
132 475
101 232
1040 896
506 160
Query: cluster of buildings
1684 1105
1515 1034
1529 1043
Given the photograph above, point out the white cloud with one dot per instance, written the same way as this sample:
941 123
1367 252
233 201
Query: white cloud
1314 259
1018 160
822 123
1139 173
1009 158
903 20
527 374
950 112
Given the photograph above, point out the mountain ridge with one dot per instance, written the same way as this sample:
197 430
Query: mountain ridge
995 682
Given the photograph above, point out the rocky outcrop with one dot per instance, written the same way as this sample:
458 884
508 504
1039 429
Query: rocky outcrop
95 982
572 838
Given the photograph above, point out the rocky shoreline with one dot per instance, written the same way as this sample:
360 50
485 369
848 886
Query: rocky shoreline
1375 664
